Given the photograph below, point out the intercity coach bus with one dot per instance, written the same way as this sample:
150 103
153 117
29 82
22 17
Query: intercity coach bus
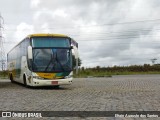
42 60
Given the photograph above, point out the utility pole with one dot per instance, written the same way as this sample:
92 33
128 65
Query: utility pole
2 52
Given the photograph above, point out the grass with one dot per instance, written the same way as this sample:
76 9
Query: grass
109 74
3 74
89 73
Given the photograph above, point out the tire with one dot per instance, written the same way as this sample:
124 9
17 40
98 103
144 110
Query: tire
56 87
24 80
11 78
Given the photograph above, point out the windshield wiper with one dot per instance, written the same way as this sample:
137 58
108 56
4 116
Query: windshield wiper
50 63
62 66
56 60
59 62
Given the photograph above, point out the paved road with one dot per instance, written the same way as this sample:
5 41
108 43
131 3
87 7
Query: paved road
118 93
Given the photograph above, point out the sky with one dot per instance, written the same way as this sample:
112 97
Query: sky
109 32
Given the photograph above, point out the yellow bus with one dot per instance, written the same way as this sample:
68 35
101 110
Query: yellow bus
42 60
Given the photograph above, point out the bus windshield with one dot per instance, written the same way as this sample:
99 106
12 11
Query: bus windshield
51 60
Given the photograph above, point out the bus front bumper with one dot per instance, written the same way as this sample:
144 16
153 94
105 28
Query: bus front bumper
56 82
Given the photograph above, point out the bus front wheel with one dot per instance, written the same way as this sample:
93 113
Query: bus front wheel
11 78
24 80
56 86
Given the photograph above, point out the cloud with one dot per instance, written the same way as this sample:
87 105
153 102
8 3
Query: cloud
93 24
110 44
35 3
23 29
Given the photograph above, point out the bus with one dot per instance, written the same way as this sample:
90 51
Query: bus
42 60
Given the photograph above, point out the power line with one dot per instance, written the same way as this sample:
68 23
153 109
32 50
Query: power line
102 25
109 39
104 39
130 32
115 36
110 33
97 37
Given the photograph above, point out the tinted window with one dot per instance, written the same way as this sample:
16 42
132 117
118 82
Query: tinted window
48 60
50 42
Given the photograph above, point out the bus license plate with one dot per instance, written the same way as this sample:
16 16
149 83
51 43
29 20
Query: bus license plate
54 82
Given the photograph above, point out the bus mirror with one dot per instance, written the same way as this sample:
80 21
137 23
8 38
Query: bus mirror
29 52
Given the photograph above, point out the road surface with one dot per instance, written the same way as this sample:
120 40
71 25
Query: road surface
117 93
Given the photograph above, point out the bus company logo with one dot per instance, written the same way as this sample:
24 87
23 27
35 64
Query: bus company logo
6 114
46 75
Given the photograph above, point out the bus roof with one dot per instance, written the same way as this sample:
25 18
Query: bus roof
46 35
40 35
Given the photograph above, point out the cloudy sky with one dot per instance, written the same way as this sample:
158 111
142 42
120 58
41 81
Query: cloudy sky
109 32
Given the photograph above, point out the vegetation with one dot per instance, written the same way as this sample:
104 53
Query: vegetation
109 71
3 74
118 70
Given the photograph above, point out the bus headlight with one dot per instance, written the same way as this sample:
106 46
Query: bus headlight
69 76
